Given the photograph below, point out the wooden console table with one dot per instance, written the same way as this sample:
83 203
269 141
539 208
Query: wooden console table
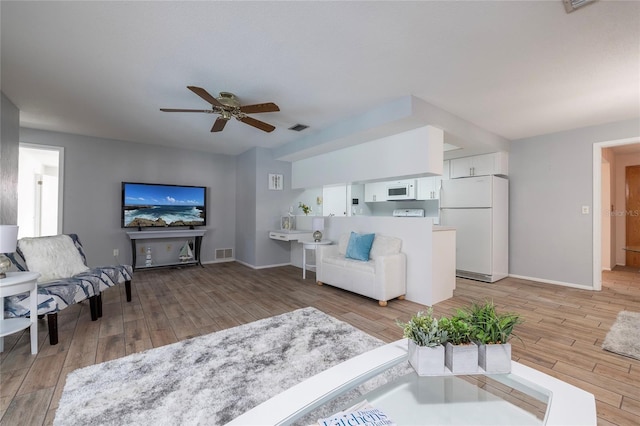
196 234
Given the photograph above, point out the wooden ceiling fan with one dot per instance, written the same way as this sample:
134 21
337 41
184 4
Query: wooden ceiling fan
227 105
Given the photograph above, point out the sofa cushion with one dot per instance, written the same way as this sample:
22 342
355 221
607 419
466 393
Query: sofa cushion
353 265
359 246
343 243
384 246
54 257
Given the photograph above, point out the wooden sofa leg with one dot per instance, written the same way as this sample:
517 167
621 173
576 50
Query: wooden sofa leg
127 287
319 282
382 302
52 321
99 305
401 297
93 307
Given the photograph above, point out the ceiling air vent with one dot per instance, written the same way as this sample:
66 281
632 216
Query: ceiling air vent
571 5
298 127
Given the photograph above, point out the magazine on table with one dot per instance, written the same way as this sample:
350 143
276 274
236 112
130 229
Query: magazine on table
361 414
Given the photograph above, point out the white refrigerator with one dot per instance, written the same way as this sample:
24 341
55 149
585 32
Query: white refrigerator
478 207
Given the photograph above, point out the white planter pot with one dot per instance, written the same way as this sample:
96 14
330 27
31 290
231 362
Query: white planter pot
461 359
495 358
426 361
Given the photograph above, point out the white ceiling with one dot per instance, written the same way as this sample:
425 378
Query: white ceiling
517 69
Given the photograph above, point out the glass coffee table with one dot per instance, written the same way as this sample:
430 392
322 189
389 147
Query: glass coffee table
383 378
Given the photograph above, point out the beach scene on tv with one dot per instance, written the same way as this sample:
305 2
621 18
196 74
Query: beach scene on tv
147 205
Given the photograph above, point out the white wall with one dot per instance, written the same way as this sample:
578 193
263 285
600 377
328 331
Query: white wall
412 153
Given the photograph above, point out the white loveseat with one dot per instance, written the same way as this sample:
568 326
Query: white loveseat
383 277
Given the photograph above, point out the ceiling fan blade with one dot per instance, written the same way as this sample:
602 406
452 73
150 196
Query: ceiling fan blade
257 124
219 124
183 110
204 95
254 109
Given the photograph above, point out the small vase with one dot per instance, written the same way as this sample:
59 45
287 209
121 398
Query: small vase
461 359
495 358
425 360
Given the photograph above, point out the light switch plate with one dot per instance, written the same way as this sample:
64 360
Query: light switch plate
585 209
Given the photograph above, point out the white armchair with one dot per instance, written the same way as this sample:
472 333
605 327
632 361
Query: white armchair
383 277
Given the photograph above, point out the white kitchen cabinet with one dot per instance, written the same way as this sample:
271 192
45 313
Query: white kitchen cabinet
334 200
445 169
375 192
428 188
496 163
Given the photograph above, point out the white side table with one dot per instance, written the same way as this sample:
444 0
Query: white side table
310 245
16 283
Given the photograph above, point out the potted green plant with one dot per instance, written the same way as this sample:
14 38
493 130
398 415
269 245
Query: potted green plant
305 208
461 353
492 331
426 339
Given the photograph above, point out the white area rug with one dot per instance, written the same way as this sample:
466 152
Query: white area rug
624 336
210 380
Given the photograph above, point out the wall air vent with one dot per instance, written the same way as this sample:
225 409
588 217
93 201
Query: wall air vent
571 5
298 127
224 254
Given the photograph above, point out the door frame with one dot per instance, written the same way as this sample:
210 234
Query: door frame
60 151
597 202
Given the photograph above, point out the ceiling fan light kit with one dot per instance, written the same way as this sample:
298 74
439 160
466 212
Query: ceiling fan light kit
227 106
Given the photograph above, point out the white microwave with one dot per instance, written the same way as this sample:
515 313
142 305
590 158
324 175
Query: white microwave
401 190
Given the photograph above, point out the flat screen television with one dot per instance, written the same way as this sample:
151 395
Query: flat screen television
156 205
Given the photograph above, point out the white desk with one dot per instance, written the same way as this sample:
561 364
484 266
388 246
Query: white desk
310 245
16 283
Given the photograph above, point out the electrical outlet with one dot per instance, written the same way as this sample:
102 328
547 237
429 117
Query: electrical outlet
116 252
585 209
142 250
168 247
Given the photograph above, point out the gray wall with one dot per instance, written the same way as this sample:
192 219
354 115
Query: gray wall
246 207
271 204
9 142
259 209
551 178
93 172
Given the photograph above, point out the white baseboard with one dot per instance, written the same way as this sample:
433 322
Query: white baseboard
219 261
544 281
263 266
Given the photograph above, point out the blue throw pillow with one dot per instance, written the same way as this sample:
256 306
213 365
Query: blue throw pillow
359 246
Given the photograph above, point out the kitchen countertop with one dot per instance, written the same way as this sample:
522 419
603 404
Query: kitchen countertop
437 228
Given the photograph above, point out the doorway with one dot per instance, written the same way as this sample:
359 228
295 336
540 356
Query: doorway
40 183
632 214
598 147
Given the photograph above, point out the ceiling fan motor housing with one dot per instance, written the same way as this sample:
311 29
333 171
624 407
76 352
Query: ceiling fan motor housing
228 99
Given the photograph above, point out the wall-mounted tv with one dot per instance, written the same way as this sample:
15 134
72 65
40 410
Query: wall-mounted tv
156 205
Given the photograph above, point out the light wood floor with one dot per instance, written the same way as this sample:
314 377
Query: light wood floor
562 334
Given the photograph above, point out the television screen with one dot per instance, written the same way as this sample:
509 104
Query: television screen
156 205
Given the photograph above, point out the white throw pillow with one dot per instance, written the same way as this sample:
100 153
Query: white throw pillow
53 257
384 246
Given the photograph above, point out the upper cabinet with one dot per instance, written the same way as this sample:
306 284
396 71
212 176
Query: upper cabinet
429 188
496 163
374 192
